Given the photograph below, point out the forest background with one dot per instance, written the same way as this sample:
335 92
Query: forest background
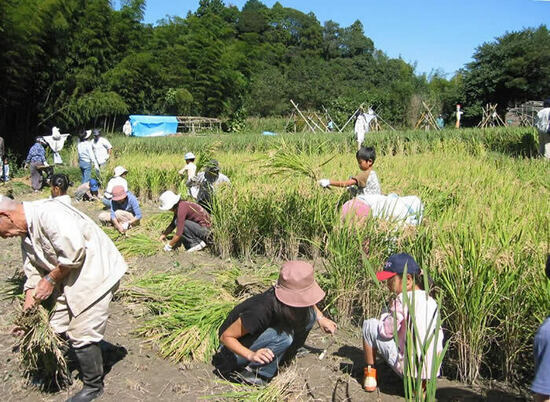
79 63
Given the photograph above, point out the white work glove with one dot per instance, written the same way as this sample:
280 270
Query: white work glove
126 225
46 163
167 247
325 183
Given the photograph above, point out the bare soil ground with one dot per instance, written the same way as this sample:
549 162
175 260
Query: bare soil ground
141 375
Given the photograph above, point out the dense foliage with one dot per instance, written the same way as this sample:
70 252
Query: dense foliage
82 63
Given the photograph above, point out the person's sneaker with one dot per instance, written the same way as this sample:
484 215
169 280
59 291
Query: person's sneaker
198 247
250 378
369 382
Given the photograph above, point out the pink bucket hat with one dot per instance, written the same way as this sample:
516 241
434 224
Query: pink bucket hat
296 286
356 210
119 193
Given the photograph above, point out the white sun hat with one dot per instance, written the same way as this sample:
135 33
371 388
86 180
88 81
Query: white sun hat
189 155
168 199
119 171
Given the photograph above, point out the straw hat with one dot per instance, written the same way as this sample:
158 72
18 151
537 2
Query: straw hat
119 171
168 199
296 286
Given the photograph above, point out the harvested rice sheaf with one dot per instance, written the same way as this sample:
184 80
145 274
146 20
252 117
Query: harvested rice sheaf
41 351
186 314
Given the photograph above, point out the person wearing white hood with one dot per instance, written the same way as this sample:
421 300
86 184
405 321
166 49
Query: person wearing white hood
56 142
118 179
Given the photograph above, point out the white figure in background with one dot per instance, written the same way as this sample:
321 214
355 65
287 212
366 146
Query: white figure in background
127 128
56 142
459 114
362 125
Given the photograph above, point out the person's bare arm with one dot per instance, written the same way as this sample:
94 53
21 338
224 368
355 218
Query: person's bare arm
230 339
345 183
325 323
47 284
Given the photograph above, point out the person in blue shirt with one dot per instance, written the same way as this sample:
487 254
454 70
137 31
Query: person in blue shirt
36 158
541 349
125 211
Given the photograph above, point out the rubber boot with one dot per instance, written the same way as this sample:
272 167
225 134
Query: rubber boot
91 368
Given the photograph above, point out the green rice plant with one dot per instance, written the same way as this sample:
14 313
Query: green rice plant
186 315
41 351
134 243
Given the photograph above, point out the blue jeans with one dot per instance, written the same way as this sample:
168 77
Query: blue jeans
278 343
86 170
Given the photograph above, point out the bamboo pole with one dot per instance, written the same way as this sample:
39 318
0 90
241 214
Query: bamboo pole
351 117
300 112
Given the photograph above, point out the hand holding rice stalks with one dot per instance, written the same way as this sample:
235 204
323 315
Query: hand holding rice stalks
41 351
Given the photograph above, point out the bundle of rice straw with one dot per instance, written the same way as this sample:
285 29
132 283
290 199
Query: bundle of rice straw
42 359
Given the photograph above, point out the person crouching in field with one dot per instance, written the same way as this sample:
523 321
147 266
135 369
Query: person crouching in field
125 211
366 180
67 257
379 334
541 349
191 221
266 329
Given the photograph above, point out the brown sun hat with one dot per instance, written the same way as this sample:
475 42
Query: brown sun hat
119 193
296 286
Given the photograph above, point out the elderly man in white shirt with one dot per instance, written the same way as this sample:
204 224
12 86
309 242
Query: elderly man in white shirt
118 179
66 254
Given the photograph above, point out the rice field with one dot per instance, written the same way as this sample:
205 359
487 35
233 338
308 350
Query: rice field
484 238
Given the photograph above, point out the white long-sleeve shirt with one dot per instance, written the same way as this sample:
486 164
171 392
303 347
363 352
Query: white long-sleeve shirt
86 153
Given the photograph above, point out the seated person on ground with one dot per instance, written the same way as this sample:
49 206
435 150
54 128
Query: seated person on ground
88 191
267 329
378 334
118 179
366 180
541 349
202 186
125 211
191 221
59 185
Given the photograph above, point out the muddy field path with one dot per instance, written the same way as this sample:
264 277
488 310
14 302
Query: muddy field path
139 374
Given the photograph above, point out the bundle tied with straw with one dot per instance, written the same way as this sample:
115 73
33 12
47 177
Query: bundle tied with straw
41 349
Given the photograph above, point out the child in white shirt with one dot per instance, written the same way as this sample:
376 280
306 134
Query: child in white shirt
379 334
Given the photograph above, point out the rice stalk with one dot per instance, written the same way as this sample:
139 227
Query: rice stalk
41 351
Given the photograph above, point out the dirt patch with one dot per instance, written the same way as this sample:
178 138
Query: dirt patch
139 374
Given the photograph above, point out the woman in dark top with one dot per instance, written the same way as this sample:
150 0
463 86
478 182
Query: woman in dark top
267 328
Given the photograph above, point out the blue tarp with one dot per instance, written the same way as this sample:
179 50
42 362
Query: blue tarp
153 126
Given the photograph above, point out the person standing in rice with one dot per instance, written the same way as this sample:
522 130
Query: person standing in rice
189 167
202 186
86 156
361 127
68 257
118 179
543 127
266 330
125 211
191 221
36 158
102 148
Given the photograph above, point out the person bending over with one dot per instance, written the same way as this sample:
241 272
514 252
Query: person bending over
191 221
267 329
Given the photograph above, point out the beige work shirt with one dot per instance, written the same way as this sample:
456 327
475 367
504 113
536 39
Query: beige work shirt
59 234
